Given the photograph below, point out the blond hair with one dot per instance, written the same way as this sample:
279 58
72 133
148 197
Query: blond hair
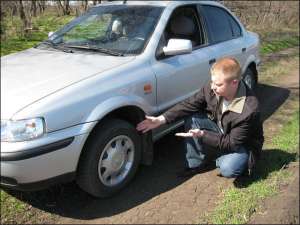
228 67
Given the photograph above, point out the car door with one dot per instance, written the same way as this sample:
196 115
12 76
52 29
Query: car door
179 76
225 34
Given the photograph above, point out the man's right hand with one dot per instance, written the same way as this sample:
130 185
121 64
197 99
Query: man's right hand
150 123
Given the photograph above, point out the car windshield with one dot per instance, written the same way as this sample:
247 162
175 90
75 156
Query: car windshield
121 29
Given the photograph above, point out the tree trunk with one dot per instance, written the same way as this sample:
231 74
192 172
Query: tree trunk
60 6
85 5
23 17
42 5
67 7
34 8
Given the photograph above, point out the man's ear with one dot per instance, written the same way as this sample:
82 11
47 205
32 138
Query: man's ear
235 81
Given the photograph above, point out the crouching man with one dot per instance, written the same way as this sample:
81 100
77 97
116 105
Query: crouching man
222 123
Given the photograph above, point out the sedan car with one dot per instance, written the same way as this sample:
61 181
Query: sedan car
70 105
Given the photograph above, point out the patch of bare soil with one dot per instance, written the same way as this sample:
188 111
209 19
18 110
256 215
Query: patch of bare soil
284 207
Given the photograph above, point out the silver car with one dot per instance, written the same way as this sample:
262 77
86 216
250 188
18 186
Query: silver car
69 106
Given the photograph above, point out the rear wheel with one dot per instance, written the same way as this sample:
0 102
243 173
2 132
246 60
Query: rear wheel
249 79
110 159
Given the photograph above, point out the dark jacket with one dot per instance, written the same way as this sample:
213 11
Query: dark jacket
241 122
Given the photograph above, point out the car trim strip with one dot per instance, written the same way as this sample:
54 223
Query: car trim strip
11 183
33 152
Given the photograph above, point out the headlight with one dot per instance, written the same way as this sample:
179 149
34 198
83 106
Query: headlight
21 130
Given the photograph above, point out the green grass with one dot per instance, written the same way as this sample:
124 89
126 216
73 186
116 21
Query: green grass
238 204
288 140
14 41
268 47
14 210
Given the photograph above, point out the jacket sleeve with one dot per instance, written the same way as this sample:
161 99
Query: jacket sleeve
238 135
191 105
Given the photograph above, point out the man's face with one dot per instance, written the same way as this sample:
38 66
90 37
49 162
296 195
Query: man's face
222 87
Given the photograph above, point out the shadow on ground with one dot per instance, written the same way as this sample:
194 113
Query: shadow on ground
69 201
271 160
270 98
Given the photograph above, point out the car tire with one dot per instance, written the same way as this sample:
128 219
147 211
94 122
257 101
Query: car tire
249 79
110 158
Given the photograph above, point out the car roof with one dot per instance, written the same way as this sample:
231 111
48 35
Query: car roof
159 3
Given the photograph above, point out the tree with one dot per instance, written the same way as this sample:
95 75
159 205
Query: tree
26 20
65 7
34 8
42 6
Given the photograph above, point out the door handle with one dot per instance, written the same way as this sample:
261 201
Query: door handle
243 49
211 61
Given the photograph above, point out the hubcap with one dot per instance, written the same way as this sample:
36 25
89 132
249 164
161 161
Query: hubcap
116 160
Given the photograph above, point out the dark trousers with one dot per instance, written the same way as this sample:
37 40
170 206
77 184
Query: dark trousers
231 164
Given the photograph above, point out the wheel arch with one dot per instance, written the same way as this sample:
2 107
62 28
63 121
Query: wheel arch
252 67
251 64
132 114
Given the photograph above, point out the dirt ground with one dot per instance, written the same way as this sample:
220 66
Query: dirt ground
157 195
284 207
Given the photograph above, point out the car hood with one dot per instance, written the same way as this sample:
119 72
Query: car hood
32 74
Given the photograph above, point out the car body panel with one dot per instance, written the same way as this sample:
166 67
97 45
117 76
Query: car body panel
45 166
30 75
79 103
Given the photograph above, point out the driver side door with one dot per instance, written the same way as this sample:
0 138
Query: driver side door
180 76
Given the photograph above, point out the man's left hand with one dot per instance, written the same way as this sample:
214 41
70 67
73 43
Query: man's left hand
191 133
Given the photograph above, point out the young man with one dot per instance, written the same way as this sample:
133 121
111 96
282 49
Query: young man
222 122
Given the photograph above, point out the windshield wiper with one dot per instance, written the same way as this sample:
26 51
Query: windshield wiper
96 49
56 46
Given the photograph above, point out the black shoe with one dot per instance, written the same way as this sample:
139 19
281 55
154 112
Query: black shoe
188 172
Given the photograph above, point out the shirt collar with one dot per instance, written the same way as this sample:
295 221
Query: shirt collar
237 104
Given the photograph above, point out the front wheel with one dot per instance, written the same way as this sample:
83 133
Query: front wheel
249 79
111 158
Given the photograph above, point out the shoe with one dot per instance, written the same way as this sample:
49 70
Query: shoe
188 172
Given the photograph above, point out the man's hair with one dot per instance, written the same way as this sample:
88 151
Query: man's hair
227 66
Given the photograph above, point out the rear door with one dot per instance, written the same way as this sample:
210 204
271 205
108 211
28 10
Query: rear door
224 33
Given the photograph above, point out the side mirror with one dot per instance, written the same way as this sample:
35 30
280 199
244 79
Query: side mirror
178 46
50 33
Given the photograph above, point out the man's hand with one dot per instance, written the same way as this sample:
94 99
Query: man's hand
150 123
191 133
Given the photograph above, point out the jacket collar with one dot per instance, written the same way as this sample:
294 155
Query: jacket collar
237 104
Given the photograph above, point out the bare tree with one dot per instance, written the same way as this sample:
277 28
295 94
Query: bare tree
65 6
26 20
85 5
42 6
265 14
34 8
9 8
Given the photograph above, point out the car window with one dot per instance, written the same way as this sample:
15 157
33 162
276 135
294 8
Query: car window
121 29
184 23
91 28
236 29
219 24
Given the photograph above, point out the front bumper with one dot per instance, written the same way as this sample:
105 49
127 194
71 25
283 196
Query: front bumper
30 165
